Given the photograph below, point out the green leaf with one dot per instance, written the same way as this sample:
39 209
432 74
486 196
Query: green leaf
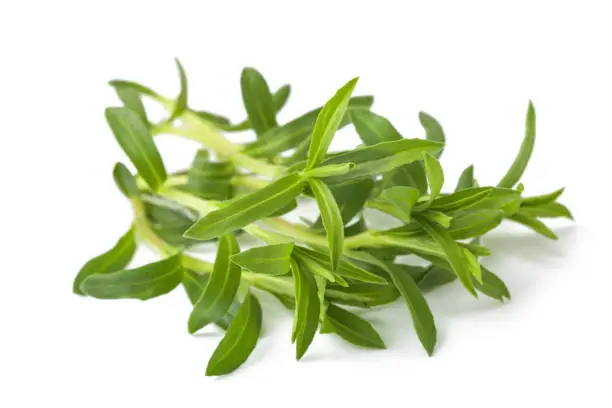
136 141
240 339
257 101
329 171
125 181
332 220
436 276
141 89
460 199
550 210
534 224
402 200
269 259
520 163
346 269
194 285
328 122
169 220
132 100
353 328
142 283
307 309
280 97
473 265
362 294
476 249
438 217
118 257
492 286
474 223
453 251
381 158
373 128
433 130
422 318
351 198
466 180
542 199
297 132
210 180
435 175
180 105
247 209
507 200
222 286
316 268
213 118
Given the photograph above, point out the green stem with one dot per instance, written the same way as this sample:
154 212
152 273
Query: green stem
205 133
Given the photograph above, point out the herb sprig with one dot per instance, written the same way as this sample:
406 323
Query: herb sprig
319 268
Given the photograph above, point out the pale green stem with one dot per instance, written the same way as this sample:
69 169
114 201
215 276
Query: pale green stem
203 132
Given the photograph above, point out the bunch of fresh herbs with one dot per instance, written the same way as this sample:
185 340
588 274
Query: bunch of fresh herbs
320 269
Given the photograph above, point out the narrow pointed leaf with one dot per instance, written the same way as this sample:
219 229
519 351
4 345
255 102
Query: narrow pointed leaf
328 122
460 199
422 318
434 277
116 258
330 170
473 265
492 286
136 141
346 269
362 294
438 217
257 100
240 339
194 285
297 132
542 199
403 200
332 220
314 267
132 100
307 309
141 89
245 210
453 251
520 163
534 224
550 210
466 179
180 104
142 283
507 200
373 128
351 198
280 97
221 288
433 130
435 175
475 223
269 259
125 181
353 328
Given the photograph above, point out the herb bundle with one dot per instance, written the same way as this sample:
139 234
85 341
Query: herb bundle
321 269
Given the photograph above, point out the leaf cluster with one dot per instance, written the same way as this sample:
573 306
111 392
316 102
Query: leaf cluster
324 271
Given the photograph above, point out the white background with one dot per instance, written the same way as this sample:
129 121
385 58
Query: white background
473 65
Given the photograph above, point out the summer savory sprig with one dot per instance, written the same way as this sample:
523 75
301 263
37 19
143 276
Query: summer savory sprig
323 269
